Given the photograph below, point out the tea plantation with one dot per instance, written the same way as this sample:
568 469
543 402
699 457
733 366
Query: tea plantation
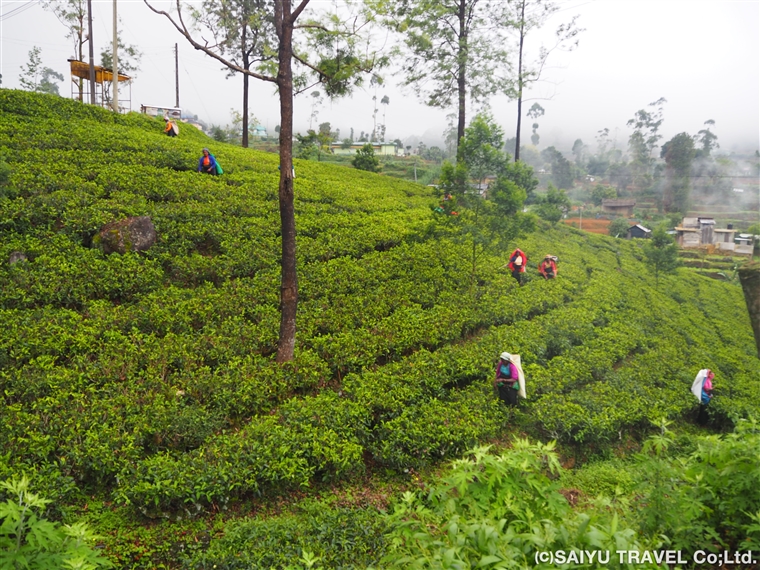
140 391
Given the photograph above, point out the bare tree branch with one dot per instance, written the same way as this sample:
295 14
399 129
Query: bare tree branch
208 50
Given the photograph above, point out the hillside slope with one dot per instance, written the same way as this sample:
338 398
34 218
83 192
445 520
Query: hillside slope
149 378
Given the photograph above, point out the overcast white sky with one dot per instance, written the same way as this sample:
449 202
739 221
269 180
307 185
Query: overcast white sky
703 56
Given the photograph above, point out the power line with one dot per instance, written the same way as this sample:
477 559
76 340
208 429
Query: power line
189 75
18 10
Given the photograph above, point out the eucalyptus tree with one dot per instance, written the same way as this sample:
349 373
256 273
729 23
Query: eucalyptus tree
241 31
679 154
535 111
644 139
73 15
38 78
711 177
385 101
292 52
707 139
525 16
452 50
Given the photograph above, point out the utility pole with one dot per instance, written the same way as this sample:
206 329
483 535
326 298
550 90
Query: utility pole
115 61
92 57
176 73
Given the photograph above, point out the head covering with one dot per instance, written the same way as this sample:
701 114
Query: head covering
548 256
696 387
505 356
207 150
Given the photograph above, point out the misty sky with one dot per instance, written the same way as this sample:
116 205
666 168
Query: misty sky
703 56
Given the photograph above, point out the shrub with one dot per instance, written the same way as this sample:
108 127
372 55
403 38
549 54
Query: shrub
619 227
342 538
29 541
365 159
493 511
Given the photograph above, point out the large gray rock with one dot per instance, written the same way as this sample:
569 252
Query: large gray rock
17 256
129 234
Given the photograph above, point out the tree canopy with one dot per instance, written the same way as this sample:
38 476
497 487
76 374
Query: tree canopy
452 50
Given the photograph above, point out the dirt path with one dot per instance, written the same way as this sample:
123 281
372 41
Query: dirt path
588 224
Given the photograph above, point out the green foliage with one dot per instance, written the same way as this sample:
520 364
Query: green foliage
678 153
561 169
619 227
496 512
38 78
553 206
601 192
442 41
481 148
365 159
710 498
643 140
336 537
29 541
661 252
486 219
148 380
313 144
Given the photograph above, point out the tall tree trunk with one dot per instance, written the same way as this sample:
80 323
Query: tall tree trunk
289 281
749 275
244 141
246 65
80 82
520 82
461 75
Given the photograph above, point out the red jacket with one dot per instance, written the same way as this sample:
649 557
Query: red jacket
518 254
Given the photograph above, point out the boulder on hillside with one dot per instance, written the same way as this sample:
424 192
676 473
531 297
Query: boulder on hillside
16 256
130 234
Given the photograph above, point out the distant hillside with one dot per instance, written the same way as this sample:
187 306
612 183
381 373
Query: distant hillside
148 379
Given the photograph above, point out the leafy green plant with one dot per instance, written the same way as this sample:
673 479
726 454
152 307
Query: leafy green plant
619 227
711 497
661 253
492 511
29 541
365 159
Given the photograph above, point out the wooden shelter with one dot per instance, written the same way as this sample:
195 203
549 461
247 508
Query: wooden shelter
639 231
621 207
103 78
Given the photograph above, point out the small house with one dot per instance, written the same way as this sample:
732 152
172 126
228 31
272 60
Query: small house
745 244
639 231
382 149
174 113
622 207
724 239
694 232
260 132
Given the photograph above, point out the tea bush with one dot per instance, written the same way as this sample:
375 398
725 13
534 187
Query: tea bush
343 538
149 379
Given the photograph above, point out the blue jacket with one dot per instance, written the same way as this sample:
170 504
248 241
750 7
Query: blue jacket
211 162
